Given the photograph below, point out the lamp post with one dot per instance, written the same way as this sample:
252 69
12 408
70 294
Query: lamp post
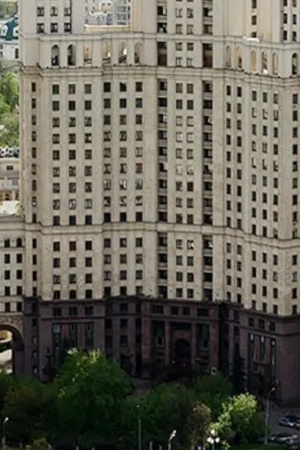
267 414
171 437
139 429
213 439
3 433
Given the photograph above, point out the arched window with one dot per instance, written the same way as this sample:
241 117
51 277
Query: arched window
71 55
106 59
55 56
19 242
138 53
295 64
122 53
87 58
264 63
275 64
228 62
239 58
253 61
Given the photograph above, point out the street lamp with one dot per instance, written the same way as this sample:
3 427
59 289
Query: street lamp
171 437
3 433
213 439
139 429
267 414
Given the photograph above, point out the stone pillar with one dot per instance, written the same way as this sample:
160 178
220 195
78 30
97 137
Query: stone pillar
116 338
99 326
146 346
193 344
214 341
18 361
167 343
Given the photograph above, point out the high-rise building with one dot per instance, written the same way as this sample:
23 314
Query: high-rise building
122 12
160 188
108 12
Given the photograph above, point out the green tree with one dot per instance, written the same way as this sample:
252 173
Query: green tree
92 392
213 391
6 384
198 425
9 89
9 136
4 108
238 373
165 408
9 116
39 444
30 406
241 419
223 426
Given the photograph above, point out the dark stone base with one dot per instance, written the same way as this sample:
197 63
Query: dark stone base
149 337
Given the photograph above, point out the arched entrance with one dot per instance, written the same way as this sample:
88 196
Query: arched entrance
15 349
181 361
182 351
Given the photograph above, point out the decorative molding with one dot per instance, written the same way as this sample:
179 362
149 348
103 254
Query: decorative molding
12 321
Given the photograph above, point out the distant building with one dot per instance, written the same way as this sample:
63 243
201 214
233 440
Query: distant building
122 10
107 12
99 18
8 8
9 179
9 39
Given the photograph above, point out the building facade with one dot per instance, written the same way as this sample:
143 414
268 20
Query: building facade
9 179
159 189
8 8
122 12
108 12
9 40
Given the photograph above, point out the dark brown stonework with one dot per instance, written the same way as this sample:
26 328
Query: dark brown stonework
281 365
167 339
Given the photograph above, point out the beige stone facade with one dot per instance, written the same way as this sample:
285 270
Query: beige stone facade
161 159
177 138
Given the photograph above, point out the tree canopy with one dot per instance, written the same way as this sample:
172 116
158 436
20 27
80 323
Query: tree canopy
9 114
91 392
164 409
213 391
198 425
29 405
240 419
9 89
89 404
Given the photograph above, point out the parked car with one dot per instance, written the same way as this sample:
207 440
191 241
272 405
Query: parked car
293 445
289 420
283 438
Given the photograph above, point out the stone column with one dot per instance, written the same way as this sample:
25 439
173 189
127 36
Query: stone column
146 345
167 344
214 341
193 344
